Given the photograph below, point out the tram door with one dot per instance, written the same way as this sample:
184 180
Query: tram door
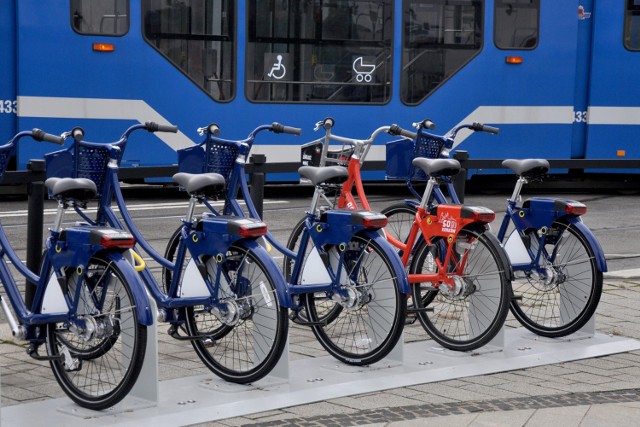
614 94
8 105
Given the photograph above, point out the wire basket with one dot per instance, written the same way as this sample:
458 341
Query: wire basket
220 158
86 162
5 155
311 154
401 153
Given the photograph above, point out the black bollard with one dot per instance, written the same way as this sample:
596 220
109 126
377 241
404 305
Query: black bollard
35 201
256 182
460 180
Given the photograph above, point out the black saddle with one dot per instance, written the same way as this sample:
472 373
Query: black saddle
324 175
72 188
209 184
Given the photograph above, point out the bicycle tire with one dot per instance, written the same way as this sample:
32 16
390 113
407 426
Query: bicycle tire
470 317
257 338
401 217
368 329
105 376
167 275
326 309
561 308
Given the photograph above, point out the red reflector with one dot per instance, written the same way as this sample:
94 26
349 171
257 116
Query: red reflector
109 242
480 214
246 231
575 209
375 222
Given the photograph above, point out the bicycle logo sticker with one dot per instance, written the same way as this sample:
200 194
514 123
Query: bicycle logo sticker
449 224
363 71
275 65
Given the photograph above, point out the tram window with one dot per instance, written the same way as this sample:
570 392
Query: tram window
197 37
632 25
439 38
103 17
516 24
319 51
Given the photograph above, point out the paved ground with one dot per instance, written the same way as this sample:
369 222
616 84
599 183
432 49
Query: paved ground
599 391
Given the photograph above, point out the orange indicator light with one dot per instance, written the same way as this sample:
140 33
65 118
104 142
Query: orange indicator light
104 47
621 153
513 59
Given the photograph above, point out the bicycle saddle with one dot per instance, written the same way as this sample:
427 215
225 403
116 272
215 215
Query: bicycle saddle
527 167
208 184
324 175
437 167
72 188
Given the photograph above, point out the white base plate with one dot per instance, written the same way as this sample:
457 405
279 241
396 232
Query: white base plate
185 401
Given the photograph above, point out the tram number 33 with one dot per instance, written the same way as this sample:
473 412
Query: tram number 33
8 106
580 117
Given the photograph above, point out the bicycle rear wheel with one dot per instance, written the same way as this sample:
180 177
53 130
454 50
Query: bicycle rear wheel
167 276
99 362
369 321
326 308
256 323
564 298
472 313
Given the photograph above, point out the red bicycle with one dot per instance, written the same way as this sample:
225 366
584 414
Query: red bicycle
459 273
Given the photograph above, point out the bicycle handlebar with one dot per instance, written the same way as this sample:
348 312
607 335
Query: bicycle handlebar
278 128
40 135
155 127
479 127
398 131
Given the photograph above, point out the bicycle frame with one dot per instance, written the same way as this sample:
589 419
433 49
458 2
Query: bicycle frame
317 232
50 305
211 240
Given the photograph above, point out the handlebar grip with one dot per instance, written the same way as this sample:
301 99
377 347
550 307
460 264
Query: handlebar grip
428 124
155 127
328 123
397 130
40 135
77 133
214 129
479 127
278 128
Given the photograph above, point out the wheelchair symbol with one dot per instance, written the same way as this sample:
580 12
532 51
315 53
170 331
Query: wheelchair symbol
277 67
363 71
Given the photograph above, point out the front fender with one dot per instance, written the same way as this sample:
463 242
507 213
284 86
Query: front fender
272 269
593 241
143 307
394 259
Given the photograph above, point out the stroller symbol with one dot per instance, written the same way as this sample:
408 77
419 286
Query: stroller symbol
363 71
278 66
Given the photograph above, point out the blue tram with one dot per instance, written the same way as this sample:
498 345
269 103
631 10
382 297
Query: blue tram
557 77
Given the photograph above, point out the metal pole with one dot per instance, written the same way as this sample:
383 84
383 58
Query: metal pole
460 180
256 182
35 197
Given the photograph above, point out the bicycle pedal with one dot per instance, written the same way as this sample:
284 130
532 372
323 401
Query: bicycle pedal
516 298
420 310
174 333
410 320
300 321
32 351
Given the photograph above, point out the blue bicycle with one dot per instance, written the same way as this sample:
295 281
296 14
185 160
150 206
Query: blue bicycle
349 281
220 290
556 260
90 309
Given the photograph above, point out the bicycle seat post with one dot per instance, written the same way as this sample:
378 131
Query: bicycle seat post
57 223
431 183
193 200
517 189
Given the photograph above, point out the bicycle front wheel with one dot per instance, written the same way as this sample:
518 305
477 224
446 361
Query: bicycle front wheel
370 316
255 322
101 354
401 217
470 313
563 295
